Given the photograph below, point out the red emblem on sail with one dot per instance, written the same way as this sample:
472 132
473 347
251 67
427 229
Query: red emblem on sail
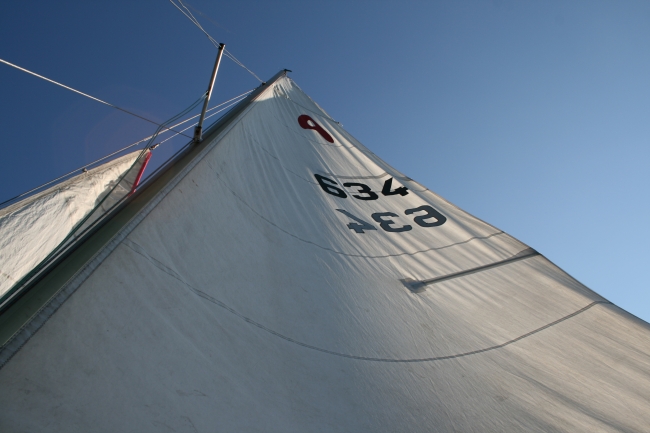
308 123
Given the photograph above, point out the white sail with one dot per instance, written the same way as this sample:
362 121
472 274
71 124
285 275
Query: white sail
32 228
287 279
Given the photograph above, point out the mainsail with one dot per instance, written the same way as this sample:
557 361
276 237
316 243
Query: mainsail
279 276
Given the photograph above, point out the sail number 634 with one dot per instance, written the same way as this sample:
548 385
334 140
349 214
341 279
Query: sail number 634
424 216
363 191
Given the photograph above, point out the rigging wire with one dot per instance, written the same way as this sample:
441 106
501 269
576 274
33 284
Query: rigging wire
83 94
191 17
80 226
236 99
196 22
234 59
207 117
175 118
161 127
206 16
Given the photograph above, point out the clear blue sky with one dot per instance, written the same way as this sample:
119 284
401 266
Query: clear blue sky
531 115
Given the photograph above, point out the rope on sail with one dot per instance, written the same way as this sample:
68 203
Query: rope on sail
192 18
82 93
236 99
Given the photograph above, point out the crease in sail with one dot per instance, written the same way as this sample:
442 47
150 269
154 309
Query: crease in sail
35 229
419 286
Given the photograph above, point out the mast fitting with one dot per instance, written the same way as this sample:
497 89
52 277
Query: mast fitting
198 131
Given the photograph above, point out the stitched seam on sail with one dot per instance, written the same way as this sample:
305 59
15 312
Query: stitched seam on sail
340 177
140 250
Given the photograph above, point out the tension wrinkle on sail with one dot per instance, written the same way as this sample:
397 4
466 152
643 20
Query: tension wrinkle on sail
256 282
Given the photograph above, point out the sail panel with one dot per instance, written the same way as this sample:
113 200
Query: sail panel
245 300
32 228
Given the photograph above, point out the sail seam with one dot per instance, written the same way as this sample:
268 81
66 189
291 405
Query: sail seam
356 147
349 254
323 112
282 123
341 177
138 249
315 112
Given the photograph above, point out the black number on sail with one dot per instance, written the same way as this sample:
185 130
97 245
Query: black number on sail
330 186
430 213
363 189
387 224
360 224
402 190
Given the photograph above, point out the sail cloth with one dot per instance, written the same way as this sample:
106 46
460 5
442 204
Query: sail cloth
287 279
32 228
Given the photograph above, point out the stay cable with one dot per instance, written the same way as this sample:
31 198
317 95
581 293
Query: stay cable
85 94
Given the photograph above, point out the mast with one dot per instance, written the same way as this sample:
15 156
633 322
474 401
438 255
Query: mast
198 131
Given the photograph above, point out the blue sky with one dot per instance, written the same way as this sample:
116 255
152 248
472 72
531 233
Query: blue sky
533 116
